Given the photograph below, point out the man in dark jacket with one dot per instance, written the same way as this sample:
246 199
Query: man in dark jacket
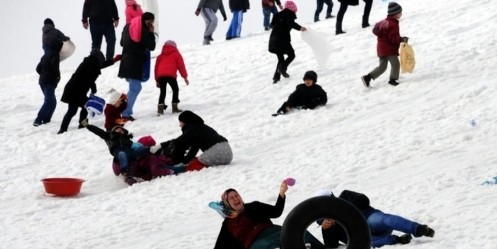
280 41
308 95
381 224
102 17
135 57
48 69
237 7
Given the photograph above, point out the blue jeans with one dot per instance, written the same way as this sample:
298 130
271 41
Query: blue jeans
382 226
267 12
135 87
126 154
271 237
49 104
235 28
100 30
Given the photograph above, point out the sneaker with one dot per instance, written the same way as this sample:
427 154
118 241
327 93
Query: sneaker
282 72
393 82
339 32
210 38
329 16
130 118
36 124
366 79
275 81
404 239
316 19
61 131
424 230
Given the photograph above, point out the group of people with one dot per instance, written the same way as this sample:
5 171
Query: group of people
248 225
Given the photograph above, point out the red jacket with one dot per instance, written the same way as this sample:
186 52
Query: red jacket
169 62
388 37
112 114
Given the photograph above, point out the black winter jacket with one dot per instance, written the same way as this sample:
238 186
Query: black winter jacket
52 38
279 40
100 11
259 213
133 55
113 140
195 137
237 5
48 68
307 97
76 89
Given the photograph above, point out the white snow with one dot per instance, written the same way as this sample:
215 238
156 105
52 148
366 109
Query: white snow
411 148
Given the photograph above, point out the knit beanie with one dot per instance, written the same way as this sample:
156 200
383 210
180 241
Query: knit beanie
291 6
394 8
48 21
188 117
113 97
171 43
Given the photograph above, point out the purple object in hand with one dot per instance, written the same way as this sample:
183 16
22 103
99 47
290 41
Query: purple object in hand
290 181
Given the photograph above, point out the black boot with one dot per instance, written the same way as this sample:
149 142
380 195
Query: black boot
393 82
404 239
366 79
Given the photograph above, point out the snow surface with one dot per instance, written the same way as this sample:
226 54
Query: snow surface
411 148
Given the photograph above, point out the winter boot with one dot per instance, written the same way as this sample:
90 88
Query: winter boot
366 79
160 109
393 82
424 230
176 109
404 239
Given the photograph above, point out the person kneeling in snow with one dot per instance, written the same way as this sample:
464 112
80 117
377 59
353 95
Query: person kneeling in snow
307 95
196 136
120 146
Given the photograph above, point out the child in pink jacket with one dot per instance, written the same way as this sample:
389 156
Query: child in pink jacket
167 64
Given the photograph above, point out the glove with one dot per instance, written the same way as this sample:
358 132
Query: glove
154 149
117 58
404 39
197 12
85 123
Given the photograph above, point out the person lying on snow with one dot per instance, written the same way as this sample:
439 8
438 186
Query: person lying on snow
196 136
307 95
126 153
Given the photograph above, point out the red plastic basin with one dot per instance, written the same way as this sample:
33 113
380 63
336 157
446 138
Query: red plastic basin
62 186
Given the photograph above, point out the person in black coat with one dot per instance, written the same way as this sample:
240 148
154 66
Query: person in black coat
48 69
248 225
76 89
196 136
381 224
344 4
135 55
280 41
308 95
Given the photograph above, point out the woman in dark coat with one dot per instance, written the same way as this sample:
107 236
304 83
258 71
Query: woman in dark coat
76 89
137 40
280 41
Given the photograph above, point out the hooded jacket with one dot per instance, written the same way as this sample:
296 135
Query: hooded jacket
169 62
52 38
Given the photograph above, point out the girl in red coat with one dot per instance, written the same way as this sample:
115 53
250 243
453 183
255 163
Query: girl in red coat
167 64
389 41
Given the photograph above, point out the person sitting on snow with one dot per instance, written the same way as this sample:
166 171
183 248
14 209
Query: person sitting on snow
116 104
308 95
196 136
120 146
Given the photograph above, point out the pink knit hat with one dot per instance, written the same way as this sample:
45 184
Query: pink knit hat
291 6
130 2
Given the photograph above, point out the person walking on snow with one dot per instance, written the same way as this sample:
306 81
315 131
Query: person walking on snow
48 69
319 8
166 65
280 41
208 9
387 48
344 4
237 7
268 7
102 18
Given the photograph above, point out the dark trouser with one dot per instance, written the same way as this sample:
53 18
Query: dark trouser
100 30
319 8
341 13
173 83
283 63
49 104
367 10
71 111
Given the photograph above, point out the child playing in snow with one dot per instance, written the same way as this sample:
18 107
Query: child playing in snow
167 64
388 45
308 95
116 104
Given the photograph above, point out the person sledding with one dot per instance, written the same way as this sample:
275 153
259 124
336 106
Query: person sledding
121 147
196 136
307 95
